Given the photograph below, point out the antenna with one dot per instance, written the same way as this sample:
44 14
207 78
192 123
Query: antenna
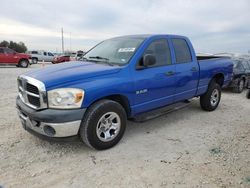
62 42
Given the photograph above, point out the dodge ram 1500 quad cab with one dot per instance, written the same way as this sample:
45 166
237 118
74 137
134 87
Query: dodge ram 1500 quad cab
119 79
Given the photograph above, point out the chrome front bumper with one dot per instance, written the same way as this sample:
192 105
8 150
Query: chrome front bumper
50 122
50 129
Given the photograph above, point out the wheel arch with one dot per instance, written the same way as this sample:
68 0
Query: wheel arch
121 99
218 78
22 59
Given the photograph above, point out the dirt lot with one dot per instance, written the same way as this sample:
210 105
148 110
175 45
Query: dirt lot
186 148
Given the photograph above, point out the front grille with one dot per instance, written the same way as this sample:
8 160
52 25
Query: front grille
34 100
32 92
32 89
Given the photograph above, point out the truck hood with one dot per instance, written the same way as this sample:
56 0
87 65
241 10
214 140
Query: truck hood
71 71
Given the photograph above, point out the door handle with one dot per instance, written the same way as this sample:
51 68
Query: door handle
169 73
194 69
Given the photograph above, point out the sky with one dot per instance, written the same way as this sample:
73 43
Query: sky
213 26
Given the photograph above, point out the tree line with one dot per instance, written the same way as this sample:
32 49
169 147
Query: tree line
18 47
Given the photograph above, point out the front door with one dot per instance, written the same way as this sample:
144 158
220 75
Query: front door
10 56
155 85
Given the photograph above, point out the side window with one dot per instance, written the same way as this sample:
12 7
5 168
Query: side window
1 51
8 51
182 51
44 53
50 54
159 48
240 66
245 64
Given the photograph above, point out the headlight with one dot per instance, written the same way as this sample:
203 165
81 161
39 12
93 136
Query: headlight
65 98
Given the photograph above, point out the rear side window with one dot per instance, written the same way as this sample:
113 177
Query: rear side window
44 53
160 49
246 65
182 51
239 66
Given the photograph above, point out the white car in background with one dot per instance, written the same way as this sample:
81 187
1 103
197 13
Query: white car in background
41 56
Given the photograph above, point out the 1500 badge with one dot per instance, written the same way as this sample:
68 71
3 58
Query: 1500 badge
141 91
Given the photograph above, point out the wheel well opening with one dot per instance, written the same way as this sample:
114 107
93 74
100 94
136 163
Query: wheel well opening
219 79
122 100
23 59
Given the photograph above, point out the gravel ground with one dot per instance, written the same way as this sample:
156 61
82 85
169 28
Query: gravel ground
186 148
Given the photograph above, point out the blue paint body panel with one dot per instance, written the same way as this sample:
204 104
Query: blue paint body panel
154 87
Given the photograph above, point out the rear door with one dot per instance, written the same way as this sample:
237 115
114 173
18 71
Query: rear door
155 85
187 69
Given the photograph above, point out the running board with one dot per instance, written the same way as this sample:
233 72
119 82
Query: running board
160 111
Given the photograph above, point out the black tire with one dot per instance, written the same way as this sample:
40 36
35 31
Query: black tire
206 101
91 122
23 63
239 87
34 60
248 94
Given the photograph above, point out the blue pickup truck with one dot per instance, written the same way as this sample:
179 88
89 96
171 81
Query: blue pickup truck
118 79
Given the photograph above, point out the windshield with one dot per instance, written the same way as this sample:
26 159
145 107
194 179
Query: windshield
114 51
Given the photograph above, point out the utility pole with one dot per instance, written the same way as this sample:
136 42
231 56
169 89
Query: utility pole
62 42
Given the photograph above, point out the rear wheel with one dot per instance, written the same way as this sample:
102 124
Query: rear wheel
103 124
211 99
34 60
23 63
239 87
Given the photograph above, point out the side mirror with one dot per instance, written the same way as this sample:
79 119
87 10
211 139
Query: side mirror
148 60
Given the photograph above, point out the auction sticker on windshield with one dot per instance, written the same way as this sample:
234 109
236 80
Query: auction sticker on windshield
126 50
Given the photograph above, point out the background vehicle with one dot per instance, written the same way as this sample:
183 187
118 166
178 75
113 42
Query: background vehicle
79 55
61 59
10 57
41 56
121 78
241 75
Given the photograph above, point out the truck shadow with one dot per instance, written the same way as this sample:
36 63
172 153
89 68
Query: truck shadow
133 131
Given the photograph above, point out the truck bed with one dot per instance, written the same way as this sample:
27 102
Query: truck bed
209 65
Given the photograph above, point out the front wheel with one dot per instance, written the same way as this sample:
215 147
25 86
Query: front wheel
211 99
23 63
103 124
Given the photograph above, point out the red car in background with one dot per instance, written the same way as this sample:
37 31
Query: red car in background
11 57
61 59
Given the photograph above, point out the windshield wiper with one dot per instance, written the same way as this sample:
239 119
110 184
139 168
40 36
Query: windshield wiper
99 57
102 58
